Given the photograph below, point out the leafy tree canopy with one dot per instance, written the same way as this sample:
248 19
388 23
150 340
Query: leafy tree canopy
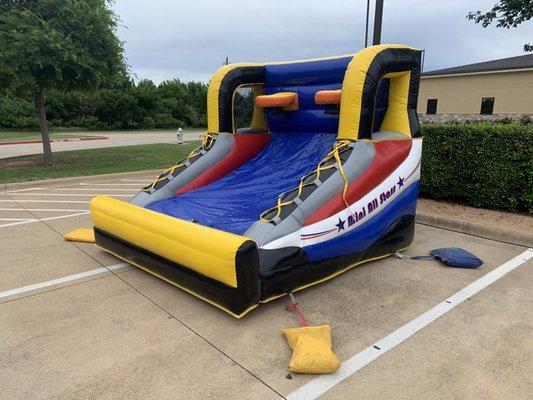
507 13
58 44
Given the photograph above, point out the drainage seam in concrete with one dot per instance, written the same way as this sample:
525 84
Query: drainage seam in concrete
159 306
201 337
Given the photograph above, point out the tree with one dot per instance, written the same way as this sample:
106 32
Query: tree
48 45
507 13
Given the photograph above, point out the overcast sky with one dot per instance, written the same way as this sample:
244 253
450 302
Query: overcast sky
189 39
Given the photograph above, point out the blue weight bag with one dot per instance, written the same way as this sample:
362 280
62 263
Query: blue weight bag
453 257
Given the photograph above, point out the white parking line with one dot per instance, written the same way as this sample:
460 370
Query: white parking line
46 201
40 209
85 189
53 282
320 385
30 221
71 194
137 180
110 184
25 190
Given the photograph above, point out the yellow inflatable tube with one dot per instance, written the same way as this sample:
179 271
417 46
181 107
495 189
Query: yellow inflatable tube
208 251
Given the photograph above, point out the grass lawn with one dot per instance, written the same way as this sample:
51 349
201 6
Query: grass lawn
93 162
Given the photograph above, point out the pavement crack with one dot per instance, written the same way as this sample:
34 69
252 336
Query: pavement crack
214 346
156 304
153 302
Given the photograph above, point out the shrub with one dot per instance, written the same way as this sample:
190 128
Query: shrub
480 164
17 113
89 122
148 123
526 119
164 121
122 105
56 122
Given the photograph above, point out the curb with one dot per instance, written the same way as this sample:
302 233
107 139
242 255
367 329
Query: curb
471 228
4 187
54 140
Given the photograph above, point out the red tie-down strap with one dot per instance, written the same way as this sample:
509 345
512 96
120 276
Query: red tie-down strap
293 307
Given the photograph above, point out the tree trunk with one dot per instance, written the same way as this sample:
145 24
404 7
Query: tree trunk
43 123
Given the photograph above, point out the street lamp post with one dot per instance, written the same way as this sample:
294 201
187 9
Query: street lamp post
366 25
378 17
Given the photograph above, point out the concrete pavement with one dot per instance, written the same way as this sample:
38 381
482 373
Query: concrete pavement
127 335
114 140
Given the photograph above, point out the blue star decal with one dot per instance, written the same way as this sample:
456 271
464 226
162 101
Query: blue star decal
340 225
400 182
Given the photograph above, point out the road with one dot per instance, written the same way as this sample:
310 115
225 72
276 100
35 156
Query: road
77 323
114 140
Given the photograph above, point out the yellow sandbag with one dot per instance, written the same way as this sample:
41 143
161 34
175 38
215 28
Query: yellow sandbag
80 235
311 350
293 334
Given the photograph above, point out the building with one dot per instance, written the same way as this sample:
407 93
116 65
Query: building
495 88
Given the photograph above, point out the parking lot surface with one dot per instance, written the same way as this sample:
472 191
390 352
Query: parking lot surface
76 322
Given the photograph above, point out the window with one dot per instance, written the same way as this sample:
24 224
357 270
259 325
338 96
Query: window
243 107
487 105
431 107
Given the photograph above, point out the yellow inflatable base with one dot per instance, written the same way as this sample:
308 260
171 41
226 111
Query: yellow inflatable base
80 235
311 350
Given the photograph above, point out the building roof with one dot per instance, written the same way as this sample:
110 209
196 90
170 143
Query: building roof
518 62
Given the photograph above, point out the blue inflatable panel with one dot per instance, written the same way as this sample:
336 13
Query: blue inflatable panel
306 79
316 72
366 234
234 202
309 119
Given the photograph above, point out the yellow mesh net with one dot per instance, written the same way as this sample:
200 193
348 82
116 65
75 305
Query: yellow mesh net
208 139
332 160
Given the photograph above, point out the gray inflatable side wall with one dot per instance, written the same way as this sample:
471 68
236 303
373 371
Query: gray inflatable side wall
359 160
223 145
362 155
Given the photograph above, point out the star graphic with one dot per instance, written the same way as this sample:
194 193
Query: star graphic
340 225
400 182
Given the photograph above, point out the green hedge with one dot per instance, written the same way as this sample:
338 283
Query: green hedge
480 164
